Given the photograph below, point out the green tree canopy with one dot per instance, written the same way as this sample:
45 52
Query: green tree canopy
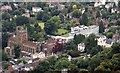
79 38
76 13
62 63
21 20
116 48
90 42
98 14
101 27
84 20
50 27
17 51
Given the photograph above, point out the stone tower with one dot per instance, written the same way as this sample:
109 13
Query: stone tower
21 34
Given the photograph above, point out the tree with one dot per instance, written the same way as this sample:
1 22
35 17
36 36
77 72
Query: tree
52 60
55 12
78 38
17 51
98 14
40 15
95 50
4 40
61 17
73 67
116 61
43 66
8 26
101 27
56 20
109 34
74 53
62 63
118 22
90 42
45 17
5 16
69 45
116 47
21 20
65 11
50 27
84 20
4 56
76 13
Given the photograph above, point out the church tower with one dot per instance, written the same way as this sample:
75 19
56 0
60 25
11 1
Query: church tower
21 34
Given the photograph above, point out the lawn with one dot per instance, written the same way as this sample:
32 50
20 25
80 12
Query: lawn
62 32
41 24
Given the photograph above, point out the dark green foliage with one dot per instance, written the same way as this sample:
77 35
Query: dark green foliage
69 45
8 26
84 20
116 48
50 27
79 38
4 40
101 27
39 16
43 66
5 16
74 53
76 14
21 20
90 43
17 51
98 14
4 56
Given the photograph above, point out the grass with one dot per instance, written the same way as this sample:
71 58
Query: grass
41 24
62 32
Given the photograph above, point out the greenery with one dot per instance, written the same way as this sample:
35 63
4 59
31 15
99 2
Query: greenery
79 38
21 20
41 25
84 20
76 13
61 32
101 27
17 51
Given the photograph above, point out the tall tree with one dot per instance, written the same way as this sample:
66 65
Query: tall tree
84 20
4 40
17 51
90 42
101 27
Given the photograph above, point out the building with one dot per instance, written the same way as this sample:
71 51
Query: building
81 47
84 30
6 8
36 9
21 38
52 46
104 42
61 7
